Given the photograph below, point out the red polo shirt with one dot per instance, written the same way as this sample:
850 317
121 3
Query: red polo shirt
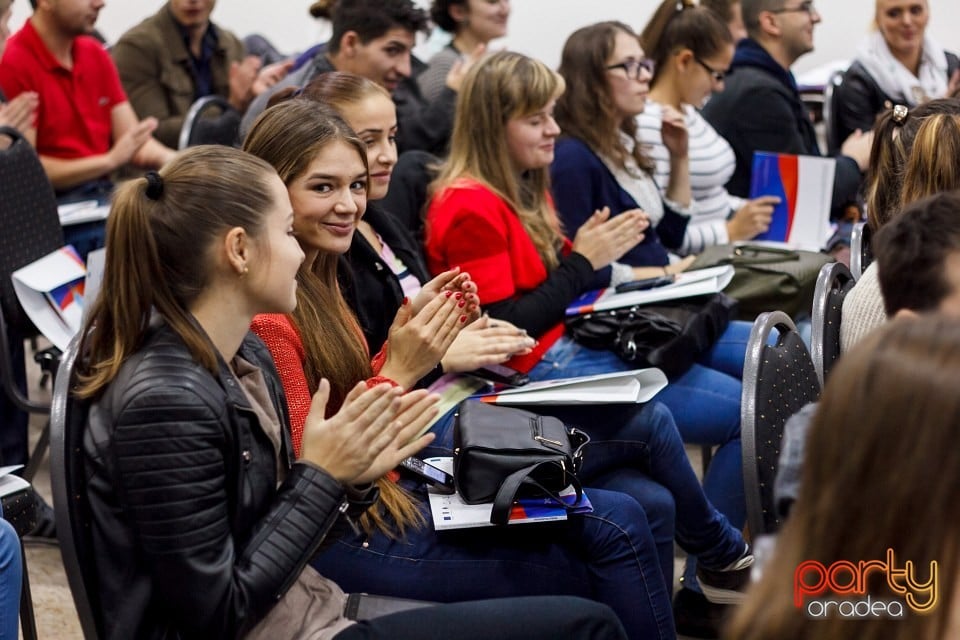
73 118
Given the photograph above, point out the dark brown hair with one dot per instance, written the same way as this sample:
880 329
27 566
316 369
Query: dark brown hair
912 250
881 470
370 19
586 110
683 25
158 254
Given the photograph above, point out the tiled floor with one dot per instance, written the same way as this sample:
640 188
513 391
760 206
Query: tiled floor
53 606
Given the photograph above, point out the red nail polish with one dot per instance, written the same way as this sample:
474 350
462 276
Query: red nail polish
459 295
449 293
463 319
406 301
461 303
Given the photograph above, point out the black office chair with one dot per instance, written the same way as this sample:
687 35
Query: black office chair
31 230
860 253
210 120
833 284
70 505
72 512
778 380
831 126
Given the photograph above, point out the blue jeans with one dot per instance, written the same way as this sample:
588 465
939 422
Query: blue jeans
607 556
11 579
508 619
705 403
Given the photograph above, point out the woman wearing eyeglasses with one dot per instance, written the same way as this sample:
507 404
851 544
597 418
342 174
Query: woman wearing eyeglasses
692 50
600 162
899 63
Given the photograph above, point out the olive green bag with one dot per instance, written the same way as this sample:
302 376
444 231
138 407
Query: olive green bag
767 278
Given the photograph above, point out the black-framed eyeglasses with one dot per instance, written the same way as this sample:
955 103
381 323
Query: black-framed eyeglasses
806 7
716 74
633 67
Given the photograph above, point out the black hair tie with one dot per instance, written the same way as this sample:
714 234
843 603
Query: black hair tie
154 185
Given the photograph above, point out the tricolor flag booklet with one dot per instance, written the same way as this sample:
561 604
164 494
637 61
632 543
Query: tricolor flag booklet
687 285
51 291
451 512
805 187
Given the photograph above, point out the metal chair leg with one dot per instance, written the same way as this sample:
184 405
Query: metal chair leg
36 456
28 623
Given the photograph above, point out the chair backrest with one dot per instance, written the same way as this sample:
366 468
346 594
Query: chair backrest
830 123
778 380
833 283
29 222
71 510
861 255
200 126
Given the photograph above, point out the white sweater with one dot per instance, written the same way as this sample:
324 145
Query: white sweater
711 164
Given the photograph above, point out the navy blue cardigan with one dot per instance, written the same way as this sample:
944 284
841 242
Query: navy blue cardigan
581 184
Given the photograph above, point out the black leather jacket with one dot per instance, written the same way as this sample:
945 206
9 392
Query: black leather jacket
192 536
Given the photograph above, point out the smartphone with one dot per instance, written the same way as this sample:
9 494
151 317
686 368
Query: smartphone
646 283
439 478
501 374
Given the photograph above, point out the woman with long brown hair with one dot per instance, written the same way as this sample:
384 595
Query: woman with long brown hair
492 215
878 485
201 523
600 161
608 555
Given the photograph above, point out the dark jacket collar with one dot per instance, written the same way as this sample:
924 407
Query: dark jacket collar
749 53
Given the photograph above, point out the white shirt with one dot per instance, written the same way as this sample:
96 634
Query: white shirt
711 164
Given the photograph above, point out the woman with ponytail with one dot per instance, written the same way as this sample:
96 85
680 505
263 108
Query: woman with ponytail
202 523
608 555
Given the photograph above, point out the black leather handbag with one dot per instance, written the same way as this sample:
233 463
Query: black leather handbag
502 453
668 335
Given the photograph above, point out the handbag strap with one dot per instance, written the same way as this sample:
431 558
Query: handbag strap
762 255
507 493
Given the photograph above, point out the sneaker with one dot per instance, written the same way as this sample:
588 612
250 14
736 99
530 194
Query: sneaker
45 532
727 585
697 617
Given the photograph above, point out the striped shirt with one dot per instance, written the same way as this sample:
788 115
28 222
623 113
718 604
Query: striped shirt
711 164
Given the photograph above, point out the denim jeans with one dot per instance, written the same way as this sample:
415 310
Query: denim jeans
608 556
11 578
637 450
513 619
705 403
86 236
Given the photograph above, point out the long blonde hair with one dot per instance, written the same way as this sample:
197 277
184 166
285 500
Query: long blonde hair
505 85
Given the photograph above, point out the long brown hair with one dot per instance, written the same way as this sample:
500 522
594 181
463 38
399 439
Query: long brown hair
893 140
158 254
289 136
881 470
503 86
586 111
934 162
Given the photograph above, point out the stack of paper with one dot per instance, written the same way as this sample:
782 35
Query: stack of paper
687 285
451 512
623 387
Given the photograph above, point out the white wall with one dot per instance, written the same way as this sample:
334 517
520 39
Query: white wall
538 27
